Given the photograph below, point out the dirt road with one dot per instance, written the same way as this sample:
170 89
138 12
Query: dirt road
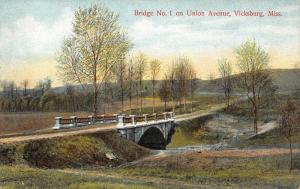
91 129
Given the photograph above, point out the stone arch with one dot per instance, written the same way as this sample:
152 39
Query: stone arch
153 138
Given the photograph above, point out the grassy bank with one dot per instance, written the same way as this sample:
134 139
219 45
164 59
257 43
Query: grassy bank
24 177
180 171
232 172
98 149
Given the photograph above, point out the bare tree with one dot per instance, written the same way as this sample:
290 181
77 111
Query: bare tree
131 78
154 70
25 84
140 64
192 83
225 70
70 91
172 82
254 78
165 91
120 72
97 45
182 65
289 123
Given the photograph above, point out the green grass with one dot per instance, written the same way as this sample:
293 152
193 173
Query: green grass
270 172
73 151
19 177
257 172
201 102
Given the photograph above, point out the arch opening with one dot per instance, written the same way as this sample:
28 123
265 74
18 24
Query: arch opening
153 138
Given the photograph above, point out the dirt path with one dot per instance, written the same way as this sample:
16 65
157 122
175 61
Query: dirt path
199 113
134 179
102 128
200 158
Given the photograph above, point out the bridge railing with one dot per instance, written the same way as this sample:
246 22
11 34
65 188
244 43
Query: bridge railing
123 120
75 121
133 120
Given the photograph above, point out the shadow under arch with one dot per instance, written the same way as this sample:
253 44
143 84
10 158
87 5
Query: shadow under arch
153 138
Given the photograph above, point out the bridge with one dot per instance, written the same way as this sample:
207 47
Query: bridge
149 130
152 131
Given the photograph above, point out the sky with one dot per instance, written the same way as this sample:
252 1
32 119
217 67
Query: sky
31 33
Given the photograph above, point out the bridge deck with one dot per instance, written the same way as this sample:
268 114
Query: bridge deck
94 129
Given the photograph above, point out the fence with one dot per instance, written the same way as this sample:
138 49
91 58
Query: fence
135 120
123 120
75 121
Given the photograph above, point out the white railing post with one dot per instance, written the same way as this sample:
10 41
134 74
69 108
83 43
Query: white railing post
92 120
155 117
133 120
145 118
116 115
57 123
74 120
103 118
121 123
171 115
165 115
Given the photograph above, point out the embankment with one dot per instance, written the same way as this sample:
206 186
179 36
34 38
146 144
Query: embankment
96 149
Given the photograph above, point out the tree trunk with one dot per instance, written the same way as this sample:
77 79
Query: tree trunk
153 100
95 98
130 96
105 100
291 154
122 95
255 114
165 107
141 99
130 104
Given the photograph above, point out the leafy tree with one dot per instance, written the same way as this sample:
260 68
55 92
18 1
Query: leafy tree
97 45
252 62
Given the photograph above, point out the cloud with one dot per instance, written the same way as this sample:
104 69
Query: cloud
290 8
167 38
273 30
28 37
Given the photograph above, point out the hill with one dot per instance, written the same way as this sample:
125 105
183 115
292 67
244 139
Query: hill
287 81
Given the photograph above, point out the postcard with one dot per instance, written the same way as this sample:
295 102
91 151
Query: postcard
150 94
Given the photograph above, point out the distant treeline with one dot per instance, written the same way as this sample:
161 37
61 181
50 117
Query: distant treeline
177 86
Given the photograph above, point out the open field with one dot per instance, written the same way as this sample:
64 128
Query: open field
28 122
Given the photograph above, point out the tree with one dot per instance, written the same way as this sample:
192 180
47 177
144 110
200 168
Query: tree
192 83
154 70
165 91
289 122
121 75
70 91
252 62
97 45
225 70
131 78
25 84
140 65
171 78
181 70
